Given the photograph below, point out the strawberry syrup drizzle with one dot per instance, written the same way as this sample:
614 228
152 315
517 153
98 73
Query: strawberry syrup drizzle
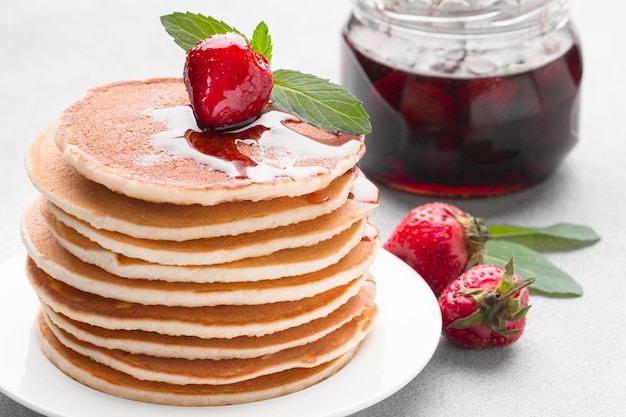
370 234
275 132
364 190
223 145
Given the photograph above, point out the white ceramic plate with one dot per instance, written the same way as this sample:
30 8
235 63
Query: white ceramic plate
400 345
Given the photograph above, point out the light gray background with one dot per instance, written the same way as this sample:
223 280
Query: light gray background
571 359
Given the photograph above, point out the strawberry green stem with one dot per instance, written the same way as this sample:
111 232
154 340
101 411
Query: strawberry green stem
496 307
476 236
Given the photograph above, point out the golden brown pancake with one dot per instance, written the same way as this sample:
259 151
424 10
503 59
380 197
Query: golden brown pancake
108 137
206 322
95 204
189 347
226 371
108 380
224 248
286 262
50 256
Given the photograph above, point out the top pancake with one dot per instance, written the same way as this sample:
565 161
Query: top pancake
129 137
63 186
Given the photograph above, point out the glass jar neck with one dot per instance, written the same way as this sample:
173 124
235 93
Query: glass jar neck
455 19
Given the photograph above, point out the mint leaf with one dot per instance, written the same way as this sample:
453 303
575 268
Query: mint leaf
551 281
261 41
319 102
559 237
189 28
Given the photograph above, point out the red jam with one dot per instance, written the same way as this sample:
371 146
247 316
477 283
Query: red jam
223 144
449 133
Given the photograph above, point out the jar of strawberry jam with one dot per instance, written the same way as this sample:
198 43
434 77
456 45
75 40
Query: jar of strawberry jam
466 97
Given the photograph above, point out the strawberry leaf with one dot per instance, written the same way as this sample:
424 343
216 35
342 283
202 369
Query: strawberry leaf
559 237
473 319
550 280
520 314
319 102
261 41
189 28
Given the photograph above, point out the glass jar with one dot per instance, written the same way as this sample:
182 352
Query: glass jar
466 97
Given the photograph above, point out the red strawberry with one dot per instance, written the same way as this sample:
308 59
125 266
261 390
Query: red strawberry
488 100
426 105
390 87
485 307
555 83
228 82
439 241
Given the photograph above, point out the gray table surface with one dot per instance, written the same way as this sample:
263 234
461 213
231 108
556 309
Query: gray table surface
571 359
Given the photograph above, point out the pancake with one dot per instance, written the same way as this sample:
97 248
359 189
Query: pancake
225 248
108 380
51 257
123 136
206 322
189 347
286 262
95 204
225 371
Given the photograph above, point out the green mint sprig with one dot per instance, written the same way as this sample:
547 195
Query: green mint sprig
312 99
525 245
261 41
319 102
189 28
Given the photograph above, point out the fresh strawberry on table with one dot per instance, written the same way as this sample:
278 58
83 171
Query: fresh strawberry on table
485 307
439 241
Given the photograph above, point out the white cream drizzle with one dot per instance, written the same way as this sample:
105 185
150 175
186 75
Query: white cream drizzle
290 145
364 190
370 233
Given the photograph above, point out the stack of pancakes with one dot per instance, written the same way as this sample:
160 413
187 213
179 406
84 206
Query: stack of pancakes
175 275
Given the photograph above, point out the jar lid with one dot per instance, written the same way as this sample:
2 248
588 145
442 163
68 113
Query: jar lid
467 17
